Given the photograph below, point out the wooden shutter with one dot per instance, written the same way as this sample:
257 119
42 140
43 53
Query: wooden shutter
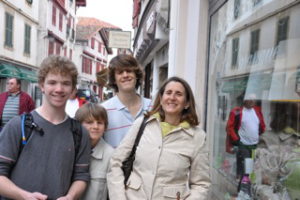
54 15
8 29
60 21
51 48
27 39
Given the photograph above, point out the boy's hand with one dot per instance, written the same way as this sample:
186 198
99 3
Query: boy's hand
68 197
35 196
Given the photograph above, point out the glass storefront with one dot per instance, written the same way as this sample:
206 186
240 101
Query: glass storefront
254 99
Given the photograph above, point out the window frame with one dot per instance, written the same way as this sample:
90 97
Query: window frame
236 8
282 29
9 31
254 45
235 52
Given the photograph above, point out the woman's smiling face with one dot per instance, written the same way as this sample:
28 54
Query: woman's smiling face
174 100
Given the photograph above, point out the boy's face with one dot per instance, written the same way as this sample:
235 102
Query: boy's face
57 89
95 128
125 80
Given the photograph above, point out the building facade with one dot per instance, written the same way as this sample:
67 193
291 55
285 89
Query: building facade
18 51
32 31
92 52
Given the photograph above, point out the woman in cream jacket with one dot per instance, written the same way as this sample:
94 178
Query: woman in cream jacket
172 158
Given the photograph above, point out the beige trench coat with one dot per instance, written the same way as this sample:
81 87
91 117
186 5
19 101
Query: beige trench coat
164 167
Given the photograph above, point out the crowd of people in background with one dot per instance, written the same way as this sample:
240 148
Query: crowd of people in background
72 149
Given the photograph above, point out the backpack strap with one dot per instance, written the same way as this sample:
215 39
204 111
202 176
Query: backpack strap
76 129
28 125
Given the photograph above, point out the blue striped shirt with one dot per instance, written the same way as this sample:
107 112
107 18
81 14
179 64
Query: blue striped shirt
11 108
120 119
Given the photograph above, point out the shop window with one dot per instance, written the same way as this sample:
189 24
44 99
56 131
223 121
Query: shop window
237 7
254 47
269 89
27 39
235 51
9 29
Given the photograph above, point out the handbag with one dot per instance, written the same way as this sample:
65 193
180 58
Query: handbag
127 164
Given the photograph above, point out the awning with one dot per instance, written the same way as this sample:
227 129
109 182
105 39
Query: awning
9 71
254 83
102 77
28 75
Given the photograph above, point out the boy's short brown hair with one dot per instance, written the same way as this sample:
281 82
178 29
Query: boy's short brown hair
58 65
124 62
92 111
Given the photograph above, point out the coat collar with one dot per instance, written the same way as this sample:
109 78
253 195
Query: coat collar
189 131
98 151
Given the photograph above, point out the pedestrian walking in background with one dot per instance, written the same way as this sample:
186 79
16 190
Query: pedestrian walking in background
53 163
94 118
171 160
14 102
125 75
73 103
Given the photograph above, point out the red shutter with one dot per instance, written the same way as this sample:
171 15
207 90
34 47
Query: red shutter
65 52
60 21
104 51
91 65
99 47
51 48
93 43
69 21
98 67
58 46
70 54
54 15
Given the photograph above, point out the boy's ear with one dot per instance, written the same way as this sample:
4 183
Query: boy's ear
41 85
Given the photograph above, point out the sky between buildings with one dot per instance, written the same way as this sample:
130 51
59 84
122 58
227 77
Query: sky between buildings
116 12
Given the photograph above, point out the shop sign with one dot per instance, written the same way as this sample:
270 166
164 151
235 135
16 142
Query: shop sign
119 39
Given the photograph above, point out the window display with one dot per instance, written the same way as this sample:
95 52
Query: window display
254 99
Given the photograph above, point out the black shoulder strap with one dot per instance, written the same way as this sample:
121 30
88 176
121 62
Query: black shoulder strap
138 137
27 128
77 134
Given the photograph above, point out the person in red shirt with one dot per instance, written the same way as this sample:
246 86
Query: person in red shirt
73 103
25 102
244 126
